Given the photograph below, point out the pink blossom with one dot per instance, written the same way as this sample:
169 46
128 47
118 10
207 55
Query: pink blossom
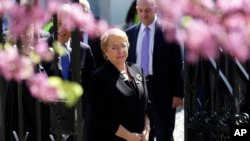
42 49
38 17
99 28
6 4
19 21
52 6
174 13
7 67
23 16
40 89
246 5
199 39
1 10
236 46
205 26
15 66
191 56
74 17
235 22
170 34
229 5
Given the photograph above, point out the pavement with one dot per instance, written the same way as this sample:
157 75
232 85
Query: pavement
179 125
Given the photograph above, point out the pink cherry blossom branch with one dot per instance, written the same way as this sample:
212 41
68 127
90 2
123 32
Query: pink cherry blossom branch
208 28
20 65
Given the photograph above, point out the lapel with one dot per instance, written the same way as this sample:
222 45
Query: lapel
119 82
116 83
115 80
136 32
158 35
137 78
133 42
159 43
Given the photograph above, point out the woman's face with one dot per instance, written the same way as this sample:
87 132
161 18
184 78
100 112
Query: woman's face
116 50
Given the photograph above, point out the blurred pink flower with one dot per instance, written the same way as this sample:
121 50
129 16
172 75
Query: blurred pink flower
235 46
18 65
191 56
229 5
207 27
75 17
21 17
38 17
19 20
5 5
15 66
198 38
40 89
1 9
174 13
42 49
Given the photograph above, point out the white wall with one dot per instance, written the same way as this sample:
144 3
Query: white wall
94 4
114 11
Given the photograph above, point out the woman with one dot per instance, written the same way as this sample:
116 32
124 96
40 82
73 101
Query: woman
118 95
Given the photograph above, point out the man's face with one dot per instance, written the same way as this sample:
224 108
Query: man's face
62 32
146 11
27 37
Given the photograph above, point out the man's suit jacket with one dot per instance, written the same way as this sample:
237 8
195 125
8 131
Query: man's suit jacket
167 81
113 102
95 46
87 65
87 68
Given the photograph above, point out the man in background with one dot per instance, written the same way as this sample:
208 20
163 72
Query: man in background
87 65
93 42
162 65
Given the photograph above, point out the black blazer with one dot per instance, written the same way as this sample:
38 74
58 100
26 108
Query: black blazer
167 81
113 102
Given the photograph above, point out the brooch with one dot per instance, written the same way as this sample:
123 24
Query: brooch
138 82
138 76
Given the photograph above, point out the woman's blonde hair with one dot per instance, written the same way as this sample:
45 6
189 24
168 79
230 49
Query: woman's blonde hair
113 32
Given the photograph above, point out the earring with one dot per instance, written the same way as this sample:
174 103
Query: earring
105 57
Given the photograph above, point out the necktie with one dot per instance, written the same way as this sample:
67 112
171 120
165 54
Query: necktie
145 51
65 59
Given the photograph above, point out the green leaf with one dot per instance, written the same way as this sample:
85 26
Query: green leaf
68 91
6 46
73 92
59 49
57 82
35 57
1 46
186 20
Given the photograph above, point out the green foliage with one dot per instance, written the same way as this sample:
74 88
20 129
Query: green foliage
186 20
68 91
58 48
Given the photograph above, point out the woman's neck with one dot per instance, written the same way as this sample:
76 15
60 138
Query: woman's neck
122 68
